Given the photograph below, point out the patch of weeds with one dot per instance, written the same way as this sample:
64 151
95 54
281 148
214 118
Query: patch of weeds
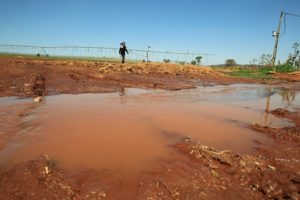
257 73
285 68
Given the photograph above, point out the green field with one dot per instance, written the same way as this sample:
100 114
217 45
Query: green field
101 59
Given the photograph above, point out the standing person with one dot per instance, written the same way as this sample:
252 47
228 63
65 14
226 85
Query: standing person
122 51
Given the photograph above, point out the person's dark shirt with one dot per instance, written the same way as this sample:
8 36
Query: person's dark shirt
122 50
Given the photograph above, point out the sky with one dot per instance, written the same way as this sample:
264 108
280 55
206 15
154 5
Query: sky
237 29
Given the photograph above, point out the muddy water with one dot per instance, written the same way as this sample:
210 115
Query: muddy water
132 130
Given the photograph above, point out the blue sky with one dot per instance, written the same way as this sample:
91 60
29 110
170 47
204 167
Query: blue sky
238 29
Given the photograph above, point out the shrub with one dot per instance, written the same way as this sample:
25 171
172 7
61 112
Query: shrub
285 68
230 62
194 62
247 72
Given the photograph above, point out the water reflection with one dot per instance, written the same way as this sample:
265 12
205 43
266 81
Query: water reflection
269 93
122 91
288 96
122 94
264 92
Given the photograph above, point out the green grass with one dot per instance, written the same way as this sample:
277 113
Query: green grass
255 73
285 68
68 58
261 73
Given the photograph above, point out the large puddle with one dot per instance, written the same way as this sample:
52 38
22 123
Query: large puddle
135 129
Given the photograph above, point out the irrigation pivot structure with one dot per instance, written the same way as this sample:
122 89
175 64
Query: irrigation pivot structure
102 52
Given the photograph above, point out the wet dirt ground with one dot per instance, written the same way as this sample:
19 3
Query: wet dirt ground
207 141
19 76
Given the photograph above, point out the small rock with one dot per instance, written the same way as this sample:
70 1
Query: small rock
38 99
214 173
223 187
272 167
160 194
47 171
257 164
102 194
70 64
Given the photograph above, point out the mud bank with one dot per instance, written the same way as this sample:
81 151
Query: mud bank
18 76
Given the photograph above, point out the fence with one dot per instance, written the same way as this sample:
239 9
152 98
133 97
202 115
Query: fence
103 52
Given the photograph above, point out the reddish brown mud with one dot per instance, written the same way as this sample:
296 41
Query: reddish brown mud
221 142
18 76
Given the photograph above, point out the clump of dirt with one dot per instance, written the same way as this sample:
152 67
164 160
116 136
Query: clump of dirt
271 172
253 172
294 116
38 179
39 86
286 133
41 179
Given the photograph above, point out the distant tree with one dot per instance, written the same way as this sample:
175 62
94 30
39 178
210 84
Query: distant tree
292 59
265 60
230 62
198 59
166 60
194 62
253 61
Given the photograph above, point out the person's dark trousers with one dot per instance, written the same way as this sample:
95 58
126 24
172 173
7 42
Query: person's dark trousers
123 58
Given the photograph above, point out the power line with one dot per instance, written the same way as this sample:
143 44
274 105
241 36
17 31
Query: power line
292 14
284 21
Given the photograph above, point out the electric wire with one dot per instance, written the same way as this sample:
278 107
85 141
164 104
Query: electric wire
292 14
284 21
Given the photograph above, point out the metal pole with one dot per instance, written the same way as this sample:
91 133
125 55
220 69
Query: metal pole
43 48
148 53
277 34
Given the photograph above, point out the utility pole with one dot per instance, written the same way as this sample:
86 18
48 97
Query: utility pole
276 35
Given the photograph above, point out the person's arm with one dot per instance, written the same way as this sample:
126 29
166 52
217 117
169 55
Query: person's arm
126 51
